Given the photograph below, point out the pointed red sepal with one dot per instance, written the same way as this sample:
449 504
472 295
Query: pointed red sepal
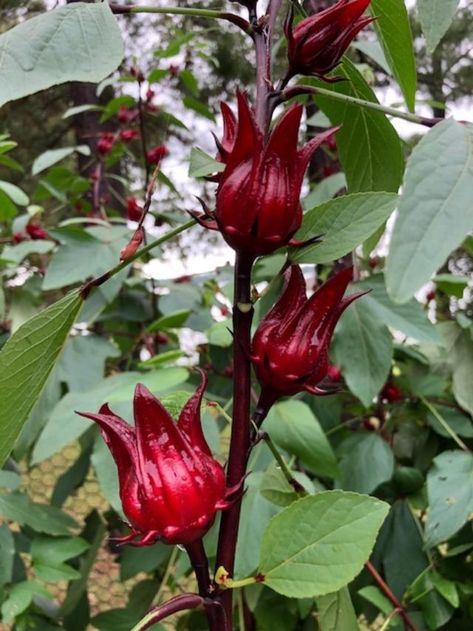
189 420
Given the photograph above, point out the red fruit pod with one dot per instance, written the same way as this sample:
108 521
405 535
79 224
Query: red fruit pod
36 232
126 135
257 207
133 245
290 346
134 210
318 42
171 487
156 154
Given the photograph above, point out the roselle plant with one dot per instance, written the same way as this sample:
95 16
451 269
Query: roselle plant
316 471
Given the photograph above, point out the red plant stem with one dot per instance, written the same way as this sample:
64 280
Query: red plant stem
240 436
179 603
263 70
388 593
200 564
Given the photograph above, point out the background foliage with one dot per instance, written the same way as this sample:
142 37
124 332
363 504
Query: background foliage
400 428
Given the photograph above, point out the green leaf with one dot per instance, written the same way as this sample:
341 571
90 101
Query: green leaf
435 17
40 517
26 361
48 158
367 141
363 349
171 321
48 555
336 612
256 512
394 32
409 318
293 426
82 363
201 164
320 543
451 284
375 596
450 491
344 223
434 212
14 193
276 488
78 42
219 333
7 554
107 476
84 253
7 208
461 359
16 253
65 426
197 106
366 462
458 422
20 597
324 191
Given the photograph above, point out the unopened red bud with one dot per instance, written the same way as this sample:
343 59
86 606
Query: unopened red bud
105 143
373 262
391 393
318 42
129 134
162 338
334 373
136 72
156 154
150 93
134 210
131 248
126 115
173 70
224 310
18 237
36 232
185 278
431 295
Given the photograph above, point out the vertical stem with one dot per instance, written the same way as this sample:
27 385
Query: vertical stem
240 435
408 624
200 564
263 71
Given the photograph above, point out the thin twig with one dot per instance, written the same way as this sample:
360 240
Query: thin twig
389 594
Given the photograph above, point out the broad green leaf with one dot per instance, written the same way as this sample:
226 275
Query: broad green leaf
7 554
26 361
451 284
219 333
450 491
19 598
366 461
84 253
374 50
256 512
409 318
324 191
376 597
394 32
8 209
276 489
198 106
336 612
461 359
41 517
171 321
344 223
460 423
201 164
16 253
320 543
78 42
48 555
82 363
434 211
435 17
14 193
106 472
48 158
65 426
367 141
363 349
293 426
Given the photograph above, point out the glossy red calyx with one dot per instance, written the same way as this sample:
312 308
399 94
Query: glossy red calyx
258 208
170 485
290 346
318 42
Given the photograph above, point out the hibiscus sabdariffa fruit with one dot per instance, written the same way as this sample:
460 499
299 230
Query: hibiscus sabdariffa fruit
257 207
316 45
290 346
170 484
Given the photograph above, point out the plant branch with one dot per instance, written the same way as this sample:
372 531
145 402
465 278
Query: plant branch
298 488
389 594
179 603
200 564
100 280
240 432
289 93
122 9
444 424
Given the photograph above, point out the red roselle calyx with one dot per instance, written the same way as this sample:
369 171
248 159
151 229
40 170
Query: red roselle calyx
133 209
36 232
290 346
170 485
318 42
258 208
156 154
